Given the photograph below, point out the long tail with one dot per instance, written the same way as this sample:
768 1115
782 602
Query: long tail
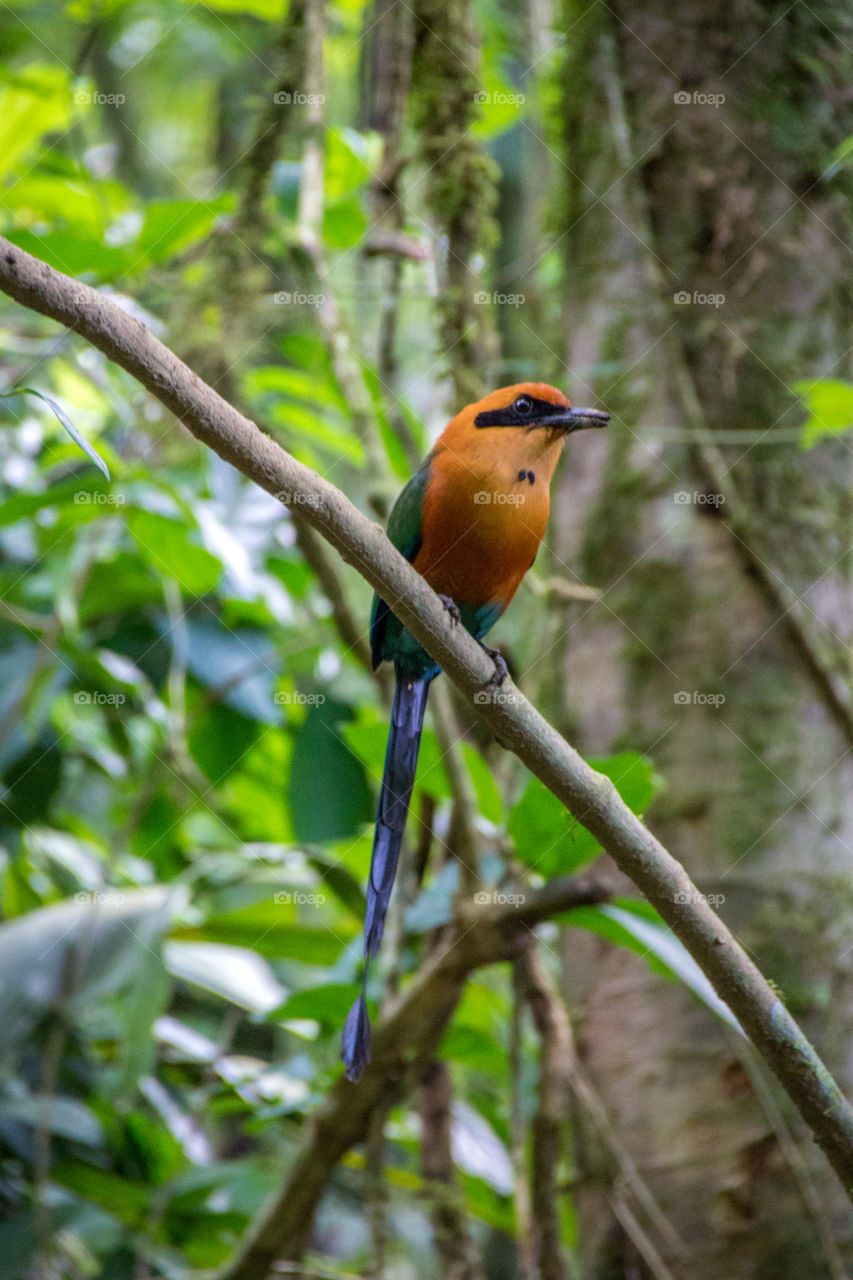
401 761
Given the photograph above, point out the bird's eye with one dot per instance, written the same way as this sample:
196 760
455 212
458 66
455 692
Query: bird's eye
523 406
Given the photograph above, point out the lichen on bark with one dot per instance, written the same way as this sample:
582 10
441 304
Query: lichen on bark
459 180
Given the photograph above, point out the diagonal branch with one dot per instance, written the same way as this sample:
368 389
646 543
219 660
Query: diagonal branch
589 796
404 1044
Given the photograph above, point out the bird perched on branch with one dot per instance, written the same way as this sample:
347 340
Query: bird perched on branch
470 521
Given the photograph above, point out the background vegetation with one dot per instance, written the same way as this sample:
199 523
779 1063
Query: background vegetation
351 219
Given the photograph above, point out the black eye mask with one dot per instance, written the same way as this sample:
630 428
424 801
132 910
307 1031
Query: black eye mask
512 417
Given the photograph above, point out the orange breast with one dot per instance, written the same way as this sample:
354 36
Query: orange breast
481 529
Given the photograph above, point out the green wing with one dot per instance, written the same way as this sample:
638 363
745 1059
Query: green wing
404 530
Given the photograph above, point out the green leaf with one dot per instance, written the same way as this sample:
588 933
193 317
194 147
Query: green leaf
272 928
171 226
333 874
327 791
434 904
219 739
268 10
121 584
637 926
550 840
394 450
21 505
327 1004
830 406
68 200
489 799
347 164
482 1202
64 1117
69 426
128 1201
367 737
304 425
165 543
634 776
234 973
240 665
841 158
18 666
253 795
147 998
473 1048
344 223
300 384
33 101
96 939
31 780
500 105
73 254
22 1238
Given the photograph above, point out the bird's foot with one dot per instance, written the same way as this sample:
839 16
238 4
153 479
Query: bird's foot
452 608
501 670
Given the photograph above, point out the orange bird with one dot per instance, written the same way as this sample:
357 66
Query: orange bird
470 521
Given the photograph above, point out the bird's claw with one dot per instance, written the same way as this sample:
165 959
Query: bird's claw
452 608
501 670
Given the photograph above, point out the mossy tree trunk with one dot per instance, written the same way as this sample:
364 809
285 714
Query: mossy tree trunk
717 192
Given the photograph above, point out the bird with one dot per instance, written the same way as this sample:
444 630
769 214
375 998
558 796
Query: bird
470 520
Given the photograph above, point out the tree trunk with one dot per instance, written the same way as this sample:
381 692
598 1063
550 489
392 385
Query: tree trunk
709 134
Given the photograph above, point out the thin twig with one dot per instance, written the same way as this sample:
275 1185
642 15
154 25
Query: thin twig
629 1175
640 1240
518 1130
451 1237
556 1070
376 1193
462 836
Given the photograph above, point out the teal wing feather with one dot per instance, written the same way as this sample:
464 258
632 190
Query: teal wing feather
405 531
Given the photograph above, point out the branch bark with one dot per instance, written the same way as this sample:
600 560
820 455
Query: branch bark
453 1245
556 1072
404 1044
589 796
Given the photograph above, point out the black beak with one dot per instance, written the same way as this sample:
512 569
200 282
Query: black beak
576 419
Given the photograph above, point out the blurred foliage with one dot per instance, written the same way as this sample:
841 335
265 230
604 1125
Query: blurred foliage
189 757
830 409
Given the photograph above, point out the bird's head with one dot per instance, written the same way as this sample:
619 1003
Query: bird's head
526 422
533 406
